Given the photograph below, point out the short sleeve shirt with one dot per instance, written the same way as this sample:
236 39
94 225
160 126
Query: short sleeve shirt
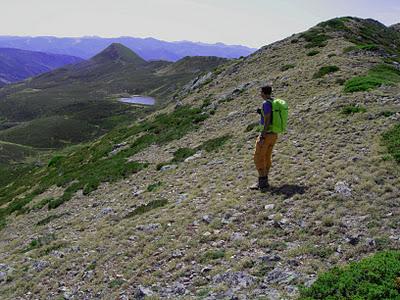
267 108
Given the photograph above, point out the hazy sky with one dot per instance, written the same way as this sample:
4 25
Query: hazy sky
249 22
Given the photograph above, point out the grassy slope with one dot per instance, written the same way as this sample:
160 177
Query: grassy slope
307 230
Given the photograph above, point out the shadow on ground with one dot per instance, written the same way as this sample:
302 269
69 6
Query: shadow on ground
288 190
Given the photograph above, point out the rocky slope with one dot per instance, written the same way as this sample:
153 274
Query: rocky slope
192 229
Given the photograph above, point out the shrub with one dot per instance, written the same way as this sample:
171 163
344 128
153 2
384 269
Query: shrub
212 255
182 153
352 109
376 277
315 38
377 76
147 207
387 113
365 47
154 186
49 219
287 67
334 24
214 144
312 53
391 139
325 70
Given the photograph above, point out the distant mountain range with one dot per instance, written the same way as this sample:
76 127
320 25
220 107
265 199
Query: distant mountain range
16 64
147 48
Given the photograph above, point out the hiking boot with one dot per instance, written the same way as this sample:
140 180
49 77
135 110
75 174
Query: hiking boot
261 185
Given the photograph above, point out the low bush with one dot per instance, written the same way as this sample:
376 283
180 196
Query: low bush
147 207
334 24
182 153
352 109
377 76
287 67
212 255
376 277
314 38
365 47
312 53
154 186
48 219
214 144
325 70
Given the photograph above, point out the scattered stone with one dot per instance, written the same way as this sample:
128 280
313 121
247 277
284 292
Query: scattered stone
237 236
206 269
4 267
57 254
40 265
280 276
168 167
138 192
309 282
117 148
132 238
370 242
181 198
207 219
269 206
149 227
177 253
236 280
107 210
3 277
342 188
353 239
141 292
270 258
193 157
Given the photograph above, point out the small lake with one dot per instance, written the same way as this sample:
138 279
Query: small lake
139 100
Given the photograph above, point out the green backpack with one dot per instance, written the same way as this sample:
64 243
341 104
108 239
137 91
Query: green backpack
279 116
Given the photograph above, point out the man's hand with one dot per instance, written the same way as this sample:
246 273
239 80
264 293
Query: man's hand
261 139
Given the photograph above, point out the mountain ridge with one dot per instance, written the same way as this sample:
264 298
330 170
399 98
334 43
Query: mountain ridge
147 48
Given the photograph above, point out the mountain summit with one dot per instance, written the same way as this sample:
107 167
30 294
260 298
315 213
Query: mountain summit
117 52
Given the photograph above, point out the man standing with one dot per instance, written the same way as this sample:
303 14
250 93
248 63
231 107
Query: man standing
265 141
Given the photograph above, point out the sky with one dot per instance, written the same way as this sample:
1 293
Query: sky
253 23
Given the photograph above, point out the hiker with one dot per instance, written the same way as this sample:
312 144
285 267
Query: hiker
269 135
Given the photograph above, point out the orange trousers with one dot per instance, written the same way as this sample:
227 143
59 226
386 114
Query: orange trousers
263 153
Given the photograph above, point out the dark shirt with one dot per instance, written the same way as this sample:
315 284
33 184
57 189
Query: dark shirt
267 108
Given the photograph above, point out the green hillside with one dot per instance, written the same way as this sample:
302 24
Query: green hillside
160 208
78 102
